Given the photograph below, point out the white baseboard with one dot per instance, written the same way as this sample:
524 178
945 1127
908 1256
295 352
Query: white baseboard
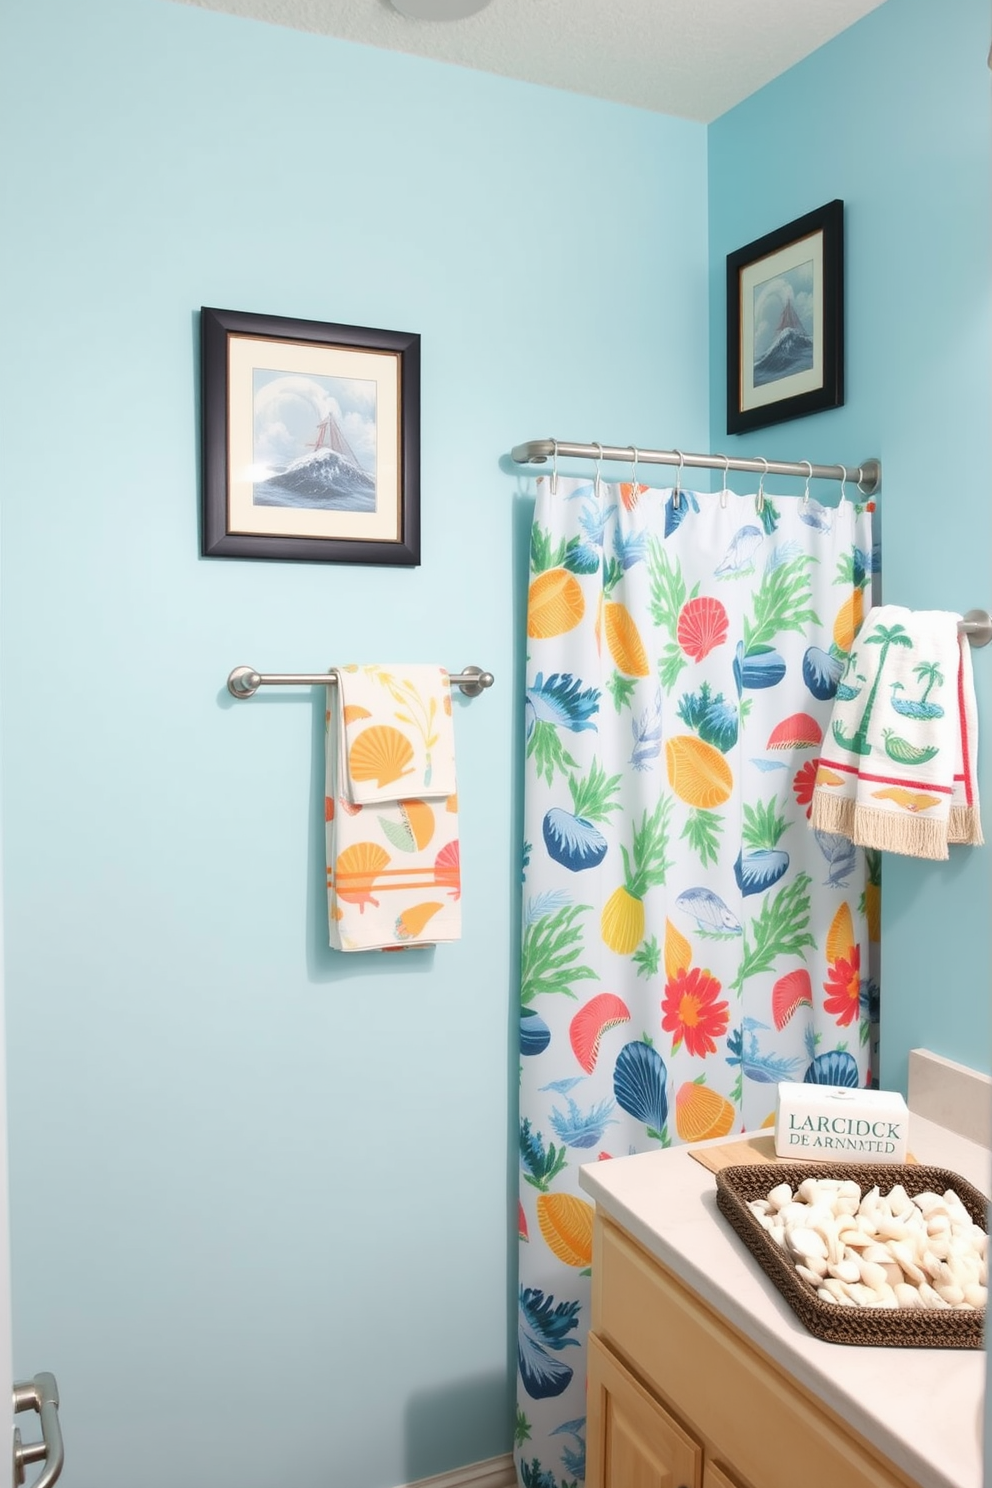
495 1472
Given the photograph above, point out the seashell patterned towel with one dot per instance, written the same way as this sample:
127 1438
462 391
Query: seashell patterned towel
897 769
391 809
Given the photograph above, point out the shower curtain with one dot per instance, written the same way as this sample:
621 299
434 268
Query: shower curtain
688 941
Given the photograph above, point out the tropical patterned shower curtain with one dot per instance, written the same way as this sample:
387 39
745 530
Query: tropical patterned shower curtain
688 940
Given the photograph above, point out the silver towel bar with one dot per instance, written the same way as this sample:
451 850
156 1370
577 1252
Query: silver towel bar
244 681
977 626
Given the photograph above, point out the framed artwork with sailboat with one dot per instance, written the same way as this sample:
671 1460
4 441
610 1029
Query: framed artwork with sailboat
785 322
311 440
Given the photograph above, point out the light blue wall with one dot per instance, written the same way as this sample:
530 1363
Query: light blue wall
254 1183
893 117
260 1192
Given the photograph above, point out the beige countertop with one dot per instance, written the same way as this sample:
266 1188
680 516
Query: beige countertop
923 1408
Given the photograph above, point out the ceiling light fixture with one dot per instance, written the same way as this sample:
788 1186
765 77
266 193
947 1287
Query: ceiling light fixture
438 10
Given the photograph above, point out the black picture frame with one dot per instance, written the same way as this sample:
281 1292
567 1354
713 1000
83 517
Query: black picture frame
797 274
274 388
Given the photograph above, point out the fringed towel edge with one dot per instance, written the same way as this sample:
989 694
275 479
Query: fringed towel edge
867 826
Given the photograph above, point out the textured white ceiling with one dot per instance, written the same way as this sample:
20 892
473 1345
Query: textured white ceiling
691 58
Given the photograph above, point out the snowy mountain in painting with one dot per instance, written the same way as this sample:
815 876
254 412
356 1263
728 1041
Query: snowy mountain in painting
321 479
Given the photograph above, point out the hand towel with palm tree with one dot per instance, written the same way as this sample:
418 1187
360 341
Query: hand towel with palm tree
898 768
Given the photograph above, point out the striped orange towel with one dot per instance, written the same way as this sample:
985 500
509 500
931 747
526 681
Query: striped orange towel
391 809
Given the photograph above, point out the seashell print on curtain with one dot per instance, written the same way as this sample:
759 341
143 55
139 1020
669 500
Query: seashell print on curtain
688 941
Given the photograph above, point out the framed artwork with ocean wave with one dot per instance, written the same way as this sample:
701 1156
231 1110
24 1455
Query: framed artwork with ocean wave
311 440
785 322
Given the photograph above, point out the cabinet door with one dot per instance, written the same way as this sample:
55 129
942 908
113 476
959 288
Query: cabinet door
747 1411
632 1442
718 1477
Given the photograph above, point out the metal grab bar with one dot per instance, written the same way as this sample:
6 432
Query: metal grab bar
42 1395
244 681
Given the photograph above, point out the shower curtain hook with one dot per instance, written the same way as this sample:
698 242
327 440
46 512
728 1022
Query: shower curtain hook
554 467
809 477
726 473
759 500
677 493
843 481
633 468
599 468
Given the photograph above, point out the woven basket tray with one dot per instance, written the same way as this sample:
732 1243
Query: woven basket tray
899 1327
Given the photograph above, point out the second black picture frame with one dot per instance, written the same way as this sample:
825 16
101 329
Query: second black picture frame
785 322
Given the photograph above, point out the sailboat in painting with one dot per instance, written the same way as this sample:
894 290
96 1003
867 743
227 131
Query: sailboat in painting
790 351
329 477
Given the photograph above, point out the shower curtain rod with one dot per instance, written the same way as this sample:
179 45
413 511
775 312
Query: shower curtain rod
867 476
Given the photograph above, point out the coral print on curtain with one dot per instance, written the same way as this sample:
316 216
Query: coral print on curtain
688 939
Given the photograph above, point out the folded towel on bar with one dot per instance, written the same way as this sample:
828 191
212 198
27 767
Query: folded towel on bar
391 810
897 769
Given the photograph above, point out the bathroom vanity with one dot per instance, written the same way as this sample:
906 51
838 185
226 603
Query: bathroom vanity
701 1375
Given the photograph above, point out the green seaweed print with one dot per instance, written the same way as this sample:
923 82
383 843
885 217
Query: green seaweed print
552 941
779 930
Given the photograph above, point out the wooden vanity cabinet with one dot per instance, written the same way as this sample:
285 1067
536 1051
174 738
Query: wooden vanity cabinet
677 1398
634 1440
